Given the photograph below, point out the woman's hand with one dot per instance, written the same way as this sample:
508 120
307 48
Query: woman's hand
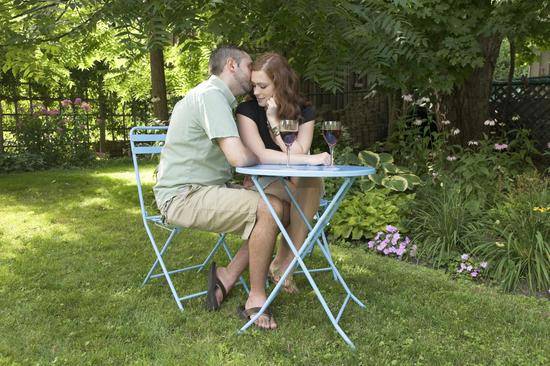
319 159
271 112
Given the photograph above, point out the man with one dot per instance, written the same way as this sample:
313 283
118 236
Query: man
201 146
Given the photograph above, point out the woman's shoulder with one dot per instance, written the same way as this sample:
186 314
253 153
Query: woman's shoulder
308 113
249 107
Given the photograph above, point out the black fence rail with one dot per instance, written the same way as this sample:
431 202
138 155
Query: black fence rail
526 103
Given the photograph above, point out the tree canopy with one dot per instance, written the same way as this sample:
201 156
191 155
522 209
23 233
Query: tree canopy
428 46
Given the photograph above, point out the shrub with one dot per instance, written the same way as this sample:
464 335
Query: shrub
517 238
57 136
445 222
364 214
21 162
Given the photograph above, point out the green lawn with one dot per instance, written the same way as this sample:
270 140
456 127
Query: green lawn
73 253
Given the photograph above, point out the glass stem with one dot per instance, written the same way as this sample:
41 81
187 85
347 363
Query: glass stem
331 155
288 156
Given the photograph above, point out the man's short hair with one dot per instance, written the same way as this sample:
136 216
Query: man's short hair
219 57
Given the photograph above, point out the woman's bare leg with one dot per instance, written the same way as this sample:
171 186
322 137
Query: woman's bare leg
308 195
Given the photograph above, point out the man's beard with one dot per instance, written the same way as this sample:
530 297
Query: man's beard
243 82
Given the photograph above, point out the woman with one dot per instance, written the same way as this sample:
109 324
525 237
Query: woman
276 97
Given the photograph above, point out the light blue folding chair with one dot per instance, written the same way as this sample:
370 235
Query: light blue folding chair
149 141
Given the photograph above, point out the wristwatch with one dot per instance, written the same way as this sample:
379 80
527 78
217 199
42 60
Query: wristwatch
275 130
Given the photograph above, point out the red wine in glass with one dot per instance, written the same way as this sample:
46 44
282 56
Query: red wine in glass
289 137
289 132
331 136
331 133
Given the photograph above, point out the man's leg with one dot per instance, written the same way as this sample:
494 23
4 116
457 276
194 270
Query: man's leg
261 243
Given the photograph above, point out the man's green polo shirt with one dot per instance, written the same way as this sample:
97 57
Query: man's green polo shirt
191 154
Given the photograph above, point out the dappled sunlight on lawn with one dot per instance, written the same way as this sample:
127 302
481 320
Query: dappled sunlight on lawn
73 254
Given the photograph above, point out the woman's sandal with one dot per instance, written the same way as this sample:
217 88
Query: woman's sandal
213 284
248 314
289 286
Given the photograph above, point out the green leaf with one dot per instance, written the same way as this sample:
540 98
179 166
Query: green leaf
367 185
390 168
377 178
412 179
395 183
369 158
386 158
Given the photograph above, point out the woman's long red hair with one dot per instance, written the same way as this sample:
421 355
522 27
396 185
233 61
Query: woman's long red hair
286 84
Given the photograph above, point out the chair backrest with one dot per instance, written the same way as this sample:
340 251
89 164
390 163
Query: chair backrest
145 140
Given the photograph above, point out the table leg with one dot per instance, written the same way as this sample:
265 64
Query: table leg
313 235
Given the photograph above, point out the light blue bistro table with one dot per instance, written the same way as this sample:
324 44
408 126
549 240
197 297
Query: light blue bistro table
349 173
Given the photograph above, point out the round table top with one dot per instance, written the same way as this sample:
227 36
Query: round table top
276 170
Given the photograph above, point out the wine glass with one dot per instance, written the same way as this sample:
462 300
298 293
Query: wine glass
331 133
289 131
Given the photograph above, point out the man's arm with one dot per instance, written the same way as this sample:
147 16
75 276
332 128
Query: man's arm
236 153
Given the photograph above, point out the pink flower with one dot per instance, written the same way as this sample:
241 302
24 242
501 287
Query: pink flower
464 257
395 239
85 106
500 147
53 112
474 274
391 229
77 101
66 102
371 244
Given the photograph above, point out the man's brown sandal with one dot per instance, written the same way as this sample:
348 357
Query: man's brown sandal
213 284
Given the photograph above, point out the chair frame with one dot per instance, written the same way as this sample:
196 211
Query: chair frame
149 140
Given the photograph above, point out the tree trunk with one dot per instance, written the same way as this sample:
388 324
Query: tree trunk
102 119
158 85
1 129
467 107
511 72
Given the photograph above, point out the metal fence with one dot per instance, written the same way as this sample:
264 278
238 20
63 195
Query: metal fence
525 104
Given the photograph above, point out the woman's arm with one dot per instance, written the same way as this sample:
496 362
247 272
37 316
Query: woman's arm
305 131
251 138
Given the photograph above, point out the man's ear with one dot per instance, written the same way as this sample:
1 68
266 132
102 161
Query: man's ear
231 64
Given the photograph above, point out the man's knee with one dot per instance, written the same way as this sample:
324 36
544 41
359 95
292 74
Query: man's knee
276 203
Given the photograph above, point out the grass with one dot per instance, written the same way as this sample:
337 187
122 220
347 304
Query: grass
73 253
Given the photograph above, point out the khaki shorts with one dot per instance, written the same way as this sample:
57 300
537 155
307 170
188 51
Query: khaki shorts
218 209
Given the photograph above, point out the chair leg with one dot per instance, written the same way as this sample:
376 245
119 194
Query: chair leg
163 266
221 241
164 248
